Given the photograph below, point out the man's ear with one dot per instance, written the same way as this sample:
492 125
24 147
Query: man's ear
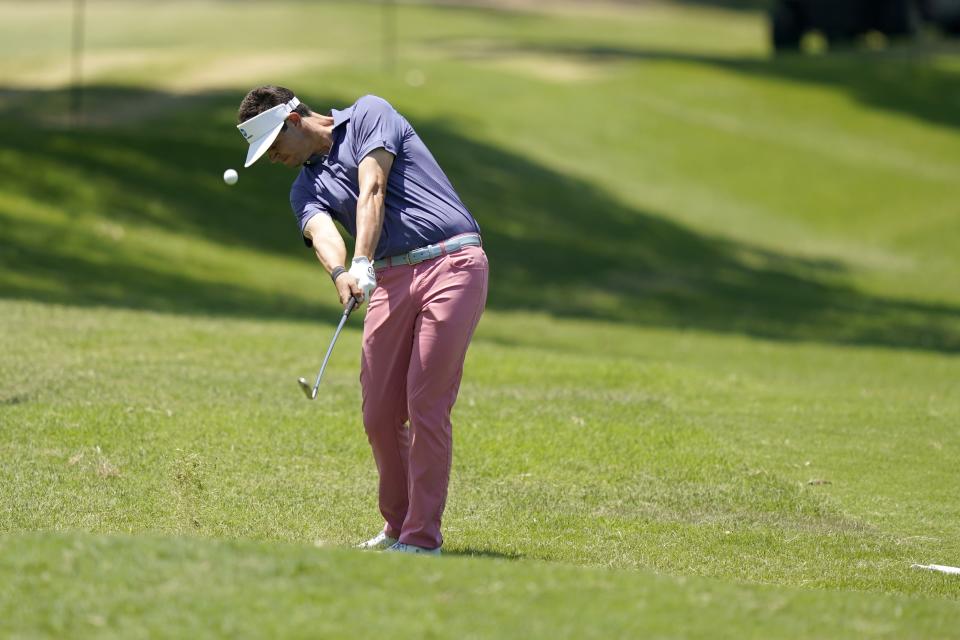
294 118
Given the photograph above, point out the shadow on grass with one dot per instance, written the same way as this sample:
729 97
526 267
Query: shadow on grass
499 9
13 400
482 553
557 244
737 5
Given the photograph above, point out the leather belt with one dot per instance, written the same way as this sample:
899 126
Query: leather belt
430 251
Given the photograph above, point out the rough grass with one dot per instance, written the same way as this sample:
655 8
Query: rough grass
714 394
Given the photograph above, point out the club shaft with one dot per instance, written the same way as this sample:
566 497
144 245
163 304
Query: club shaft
326 358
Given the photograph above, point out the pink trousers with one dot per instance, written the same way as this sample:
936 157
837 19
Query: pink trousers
415 336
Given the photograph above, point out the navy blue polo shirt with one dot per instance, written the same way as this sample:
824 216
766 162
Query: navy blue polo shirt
421 206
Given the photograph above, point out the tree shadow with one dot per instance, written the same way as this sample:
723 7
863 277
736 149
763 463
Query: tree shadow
145 157
499 9
560 245
557 244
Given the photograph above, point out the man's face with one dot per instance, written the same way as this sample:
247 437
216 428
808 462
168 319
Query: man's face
291 148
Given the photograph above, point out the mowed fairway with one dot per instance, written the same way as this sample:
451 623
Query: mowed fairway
716 391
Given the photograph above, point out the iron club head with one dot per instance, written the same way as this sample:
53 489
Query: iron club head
306 388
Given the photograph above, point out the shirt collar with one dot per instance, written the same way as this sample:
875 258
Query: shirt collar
340 116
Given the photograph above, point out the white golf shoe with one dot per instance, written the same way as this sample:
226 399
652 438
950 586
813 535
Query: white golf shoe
378 542
400 547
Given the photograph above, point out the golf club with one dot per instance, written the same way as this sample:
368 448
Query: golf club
312 393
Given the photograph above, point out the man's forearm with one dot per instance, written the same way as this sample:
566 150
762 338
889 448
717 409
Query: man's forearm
327 242
372 175
331 254
369 223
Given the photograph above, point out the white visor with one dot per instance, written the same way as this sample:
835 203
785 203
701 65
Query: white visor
262 129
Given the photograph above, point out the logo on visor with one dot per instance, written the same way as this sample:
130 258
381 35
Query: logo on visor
246 135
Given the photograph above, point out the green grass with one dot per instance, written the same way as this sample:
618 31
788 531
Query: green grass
234 588
714 394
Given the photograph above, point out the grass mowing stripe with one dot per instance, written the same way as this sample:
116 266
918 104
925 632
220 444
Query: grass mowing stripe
112 586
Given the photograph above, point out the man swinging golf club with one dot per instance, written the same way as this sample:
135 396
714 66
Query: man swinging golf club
419 265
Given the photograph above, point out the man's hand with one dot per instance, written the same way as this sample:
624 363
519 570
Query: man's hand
347 288
361 276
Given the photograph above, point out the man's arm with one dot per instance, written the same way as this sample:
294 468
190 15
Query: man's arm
327 243
331 252
372 175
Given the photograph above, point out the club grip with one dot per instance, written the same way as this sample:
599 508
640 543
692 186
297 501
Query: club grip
350 306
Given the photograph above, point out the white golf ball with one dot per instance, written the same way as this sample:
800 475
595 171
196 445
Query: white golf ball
230 176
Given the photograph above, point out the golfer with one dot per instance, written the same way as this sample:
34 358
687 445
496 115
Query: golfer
417 263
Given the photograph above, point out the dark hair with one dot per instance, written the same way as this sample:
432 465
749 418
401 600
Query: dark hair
262 98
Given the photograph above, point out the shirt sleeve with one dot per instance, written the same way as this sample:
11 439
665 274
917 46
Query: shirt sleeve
376 125
305 207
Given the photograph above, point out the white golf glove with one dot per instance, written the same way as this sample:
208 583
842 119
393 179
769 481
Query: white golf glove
362 269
